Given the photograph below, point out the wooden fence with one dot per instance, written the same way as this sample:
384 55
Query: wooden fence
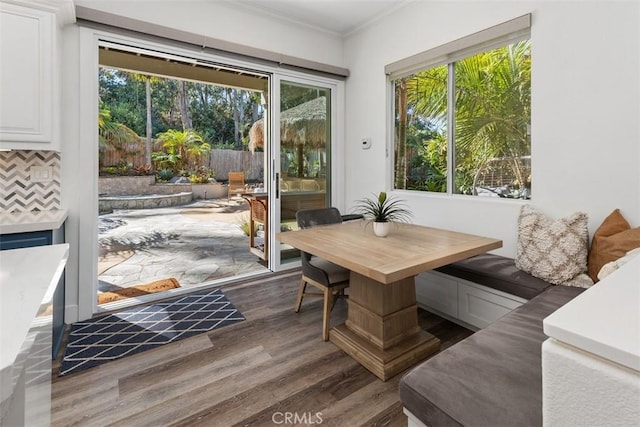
221 161
225 161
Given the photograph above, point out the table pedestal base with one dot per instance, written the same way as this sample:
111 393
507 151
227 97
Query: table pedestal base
382 331
385 363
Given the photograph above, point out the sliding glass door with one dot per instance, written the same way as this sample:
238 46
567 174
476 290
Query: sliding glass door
301 156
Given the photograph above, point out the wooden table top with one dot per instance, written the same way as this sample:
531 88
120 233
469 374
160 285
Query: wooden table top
408 250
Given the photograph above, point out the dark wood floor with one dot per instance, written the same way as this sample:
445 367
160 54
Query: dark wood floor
244 374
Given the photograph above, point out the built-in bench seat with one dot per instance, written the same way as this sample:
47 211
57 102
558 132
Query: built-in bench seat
497 272
492 378
477 291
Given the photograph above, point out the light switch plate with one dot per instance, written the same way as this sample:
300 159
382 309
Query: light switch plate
41 173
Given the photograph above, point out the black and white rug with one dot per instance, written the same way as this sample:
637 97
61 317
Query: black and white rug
102 339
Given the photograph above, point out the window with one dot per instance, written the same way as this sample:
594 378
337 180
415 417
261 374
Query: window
462 116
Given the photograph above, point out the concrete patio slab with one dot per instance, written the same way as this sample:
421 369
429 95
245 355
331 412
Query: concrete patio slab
196 243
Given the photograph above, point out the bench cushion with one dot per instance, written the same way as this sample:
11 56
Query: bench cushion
497 272
494 377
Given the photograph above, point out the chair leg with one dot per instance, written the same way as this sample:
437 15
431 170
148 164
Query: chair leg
335 299
301 289
326 313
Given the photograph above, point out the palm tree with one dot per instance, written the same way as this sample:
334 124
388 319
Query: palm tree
148 80
492 109
112 133
493 95
401 136
186 147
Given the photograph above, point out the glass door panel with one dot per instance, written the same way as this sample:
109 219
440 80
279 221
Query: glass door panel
304 154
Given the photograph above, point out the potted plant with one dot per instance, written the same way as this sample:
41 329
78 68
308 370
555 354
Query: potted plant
382 211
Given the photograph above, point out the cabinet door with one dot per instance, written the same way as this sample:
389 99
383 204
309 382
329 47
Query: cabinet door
480 306
26 77
437 291
25 240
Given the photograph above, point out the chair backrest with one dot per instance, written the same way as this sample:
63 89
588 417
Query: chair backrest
308 218
236 179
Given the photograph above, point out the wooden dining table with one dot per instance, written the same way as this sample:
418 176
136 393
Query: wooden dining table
381 331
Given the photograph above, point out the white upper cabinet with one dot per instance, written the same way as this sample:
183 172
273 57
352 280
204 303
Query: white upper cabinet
29 75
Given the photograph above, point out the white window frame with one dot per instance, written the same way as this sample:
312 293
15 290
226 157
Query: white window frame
500 35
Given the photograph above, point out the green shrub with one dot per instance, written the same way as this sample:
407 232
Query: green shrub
165 174
244 225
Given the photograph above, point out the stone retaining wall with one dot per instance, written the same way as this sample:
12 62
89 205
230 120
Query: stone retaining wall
146 185
107 204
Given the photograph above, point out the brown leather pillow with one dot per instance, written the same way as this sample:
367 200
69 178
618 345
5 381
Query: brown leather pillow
612 240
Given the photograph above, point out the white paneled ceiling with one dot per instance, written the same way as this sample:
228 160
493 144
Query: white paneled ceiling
340 17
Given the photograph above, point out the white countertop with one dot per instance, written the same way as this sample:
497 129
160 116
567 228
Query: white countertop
605 319
23 222
28 278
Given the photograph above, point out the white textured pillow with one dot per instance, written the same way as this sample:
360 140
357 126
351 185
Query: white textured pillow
553 250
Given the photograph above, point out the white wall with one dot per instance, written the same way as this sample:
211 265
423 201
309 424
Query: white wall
585 109
234 24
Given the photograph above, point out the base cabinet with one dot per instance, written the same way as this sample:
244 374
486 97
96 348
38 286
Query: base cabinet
439 292
467 303
42 238
481 307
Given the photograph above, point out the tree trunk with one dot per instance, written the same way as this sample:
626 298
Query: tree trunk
183 104
236 119
148 145
401 141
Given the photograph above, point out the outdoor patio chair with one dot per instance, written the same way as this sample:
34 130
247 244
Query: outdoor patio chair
236 184
329 278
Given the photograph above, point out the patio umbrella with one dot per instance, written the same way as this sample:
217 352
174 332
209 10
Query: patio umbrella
302 125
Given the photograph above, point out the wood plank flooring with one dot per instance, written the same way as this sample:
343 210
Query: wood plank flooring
273 363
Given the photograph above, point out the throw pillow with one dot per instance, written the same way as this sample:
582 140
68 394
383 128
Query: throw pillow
612 266
552 250
612 240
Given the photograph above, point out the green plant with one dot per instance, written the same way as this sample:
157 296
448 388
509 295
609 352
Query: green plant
244 225
383 209
121 168
165 160
198 179
186 147
202 176
110 170
165 174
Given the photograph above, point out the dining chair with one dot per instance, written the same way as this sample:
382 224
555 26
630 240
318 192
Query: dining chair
329 278
236 184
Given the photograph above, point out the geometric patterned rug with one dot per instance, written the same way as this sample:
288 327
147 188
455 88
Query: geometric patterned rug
102 339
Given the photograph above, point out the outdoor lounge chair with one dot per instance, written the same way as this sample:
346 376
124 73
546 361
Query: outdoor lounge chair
236 184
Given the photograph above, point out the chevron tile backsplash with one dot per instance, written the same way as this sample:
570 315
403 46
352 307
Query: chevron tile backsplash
17 192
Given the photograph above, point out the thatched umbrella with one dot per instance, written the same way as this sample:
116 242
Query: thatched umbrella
301 127
304 124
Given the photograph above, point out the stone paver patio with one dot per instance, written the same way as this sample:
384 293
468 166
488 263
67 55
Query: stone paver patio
195 243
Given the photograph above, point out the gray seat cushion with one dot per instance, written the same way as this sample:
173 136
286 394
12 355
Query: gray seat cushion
337 275
497 272
493 377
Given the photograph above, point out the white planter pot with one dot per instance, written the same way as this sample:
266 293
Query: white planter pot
381 229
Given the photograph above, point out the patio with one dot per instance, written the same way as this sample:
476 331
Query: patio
195 243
